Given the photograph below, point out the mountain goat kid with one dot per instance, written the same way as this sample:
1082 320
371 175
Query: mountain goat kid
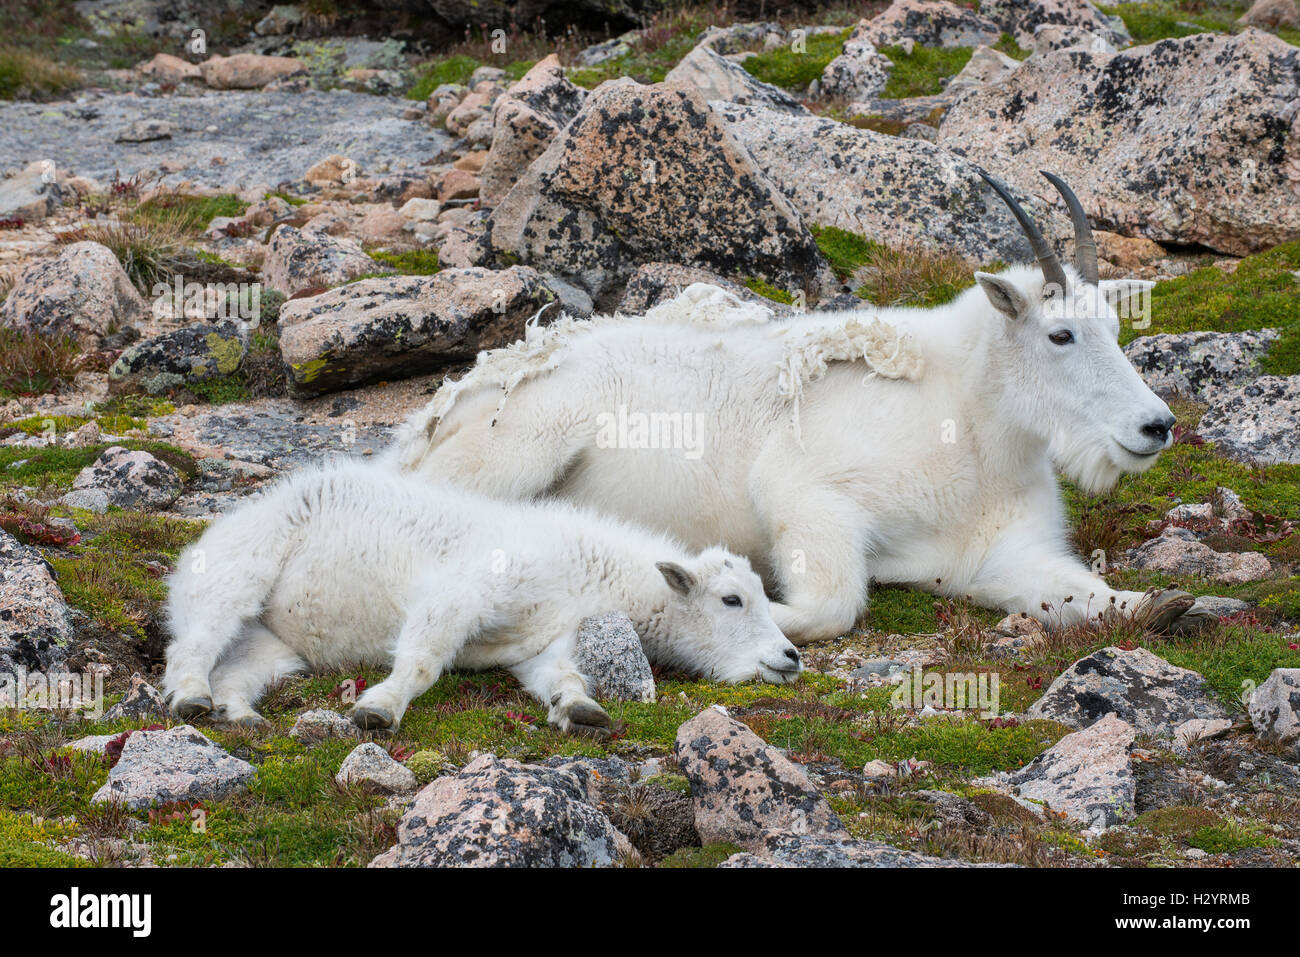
912 446
354 564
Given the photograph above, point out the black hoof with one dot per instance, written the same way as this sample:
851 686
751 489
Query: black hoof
195 706
371 718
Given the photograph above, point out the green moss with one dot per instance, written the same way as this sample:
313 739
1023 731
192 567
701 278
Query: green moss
845 251
220 390
452 69
291 200
411 262
794 71
1262 293
768 291
24 843
1007 44
919 73
1179 822
711 855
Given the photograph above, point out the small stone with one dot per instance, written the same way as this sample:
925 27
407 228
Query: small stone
321 724
370 764
610 656
134 480
141 701
178 764
1275 707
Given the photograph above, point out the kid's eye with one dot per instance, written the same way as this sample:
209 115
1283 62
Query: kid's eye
1062 338
732 600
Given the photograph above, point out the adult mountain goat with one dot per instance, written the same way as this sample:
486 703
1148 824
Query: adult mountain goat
903 445
357 564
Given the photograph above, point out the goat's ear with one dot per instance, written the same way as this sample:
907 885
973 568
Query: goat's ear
1003 294
1119 291
678 578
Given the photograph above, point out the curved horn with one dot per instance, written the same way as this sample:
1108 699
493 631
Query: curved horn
1053 272
1085 247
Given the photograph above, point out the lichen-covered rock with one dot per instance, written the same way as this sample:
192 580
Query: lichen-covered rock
178 764
406 325
1272 13
524 121
31 194
298 259
370 764
1187 140
1195 365
655 283
931 23
1177 556
1142 689
321 724
500 813
900 192
141 701
1259 422
779 849
82 293
1053 36
1021 18
35 624
609 655
1086 775
248 71
717 78
650 173
1275 707
189 355
859 72
130 479
986 65
742 786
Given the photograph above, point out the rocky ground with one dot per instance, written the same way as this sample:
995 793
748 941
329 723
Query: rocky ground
219 265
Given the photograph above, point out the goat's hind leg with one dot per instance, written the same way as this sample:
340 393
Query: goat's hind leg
252 664
552 678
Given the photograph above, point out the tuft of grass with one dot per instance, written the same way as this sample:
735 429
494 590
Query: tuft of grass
1007 44
919 73
711 855
149 251
1163 19
1227 837
26 74
33 365
186 212
768 291
894 277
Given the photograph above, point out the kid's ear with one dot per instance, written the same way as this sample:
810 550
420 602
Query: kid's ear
1003 294
678 578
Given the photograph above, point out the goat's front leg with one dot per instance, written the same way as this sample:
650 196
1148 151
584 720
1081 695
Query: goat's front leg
437 625
552 678
1019 575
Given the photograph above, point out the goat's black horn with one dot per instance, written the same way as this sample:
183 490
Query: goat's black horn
1053 271
1085 247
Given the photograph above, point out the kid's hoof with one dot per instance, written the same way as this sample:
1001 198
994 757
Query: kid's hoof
589 720
1192 621
371 718
195 706
250 721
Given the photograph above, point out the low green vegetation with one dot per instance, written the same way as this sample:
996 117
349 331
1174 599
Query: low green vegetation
920 72
188 212
33 365
1263 292
28 75
784 67
410 262
894 277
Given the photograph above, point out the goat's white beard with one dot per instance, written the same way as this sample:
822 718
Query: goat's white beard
1088 463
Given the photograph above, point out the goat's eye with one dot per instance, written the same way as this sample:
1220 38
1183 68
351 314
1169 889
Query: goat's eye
732 600
1062 338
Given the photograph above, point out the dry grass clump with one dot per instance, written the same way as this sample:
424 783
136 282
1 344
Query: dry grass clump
32 364
150 250
28 75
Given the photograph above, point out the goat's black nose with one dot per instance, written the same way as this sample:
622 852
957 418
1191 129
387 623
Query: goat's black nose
792 655
1159 428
